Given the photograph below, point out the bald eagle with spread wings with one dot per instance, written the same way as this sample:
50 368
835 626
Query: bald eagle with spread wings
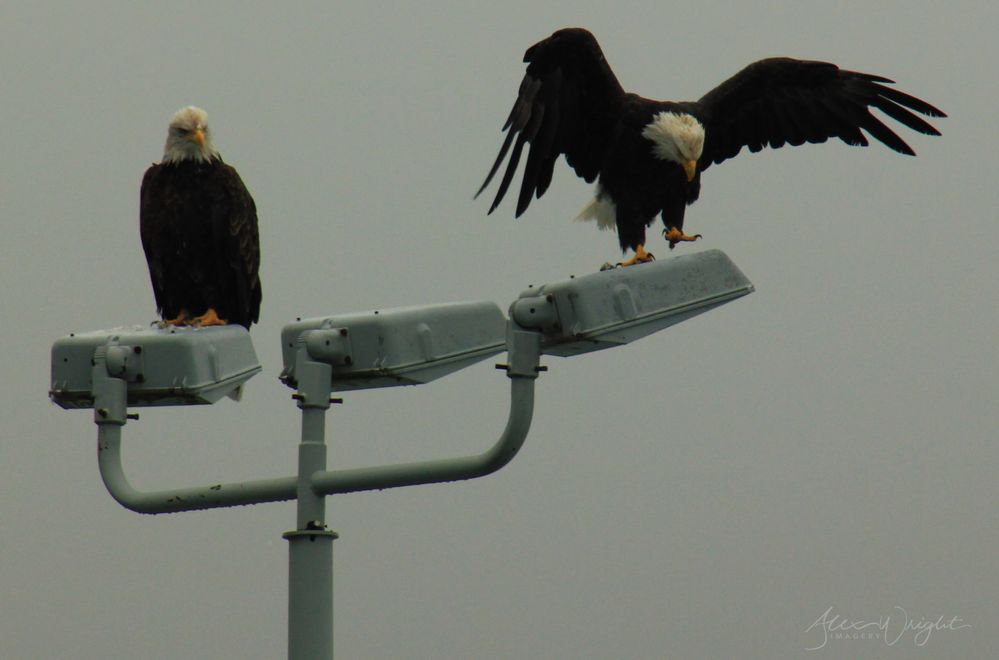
649 155
198 225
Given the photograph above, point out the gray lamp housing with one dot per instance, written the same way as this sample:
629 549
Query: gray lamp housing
400 346
614 307
162 366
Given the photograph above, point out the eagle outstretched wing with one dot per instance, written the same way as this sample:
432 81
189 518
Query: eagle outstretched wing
781 100
569 103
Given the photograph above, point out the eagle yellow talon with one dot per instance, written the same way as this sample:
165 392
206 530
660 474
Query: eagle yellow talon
641 257
674 236
182 318
210 317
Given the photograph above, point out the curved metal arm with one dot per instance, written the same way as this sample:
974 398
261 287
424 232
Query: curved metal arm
181 499
324 483
110 416
524 348
453 469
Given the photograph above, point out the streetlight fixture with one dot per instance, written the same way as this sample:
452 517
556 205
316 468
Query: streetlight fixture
162 366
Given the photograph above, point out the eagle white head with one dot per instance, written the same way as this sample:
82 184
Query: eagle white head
678 137
188 137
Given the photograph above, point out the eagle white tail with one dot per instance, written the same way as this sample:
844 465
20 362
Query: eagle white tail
602 210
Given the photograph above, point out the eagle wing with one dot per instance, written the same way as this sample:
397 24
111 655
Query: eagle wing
783 100
235 223
151 228
569 103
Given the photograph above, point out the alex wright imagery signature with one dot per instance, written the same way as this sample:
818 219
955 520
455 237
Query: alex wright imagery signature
832 626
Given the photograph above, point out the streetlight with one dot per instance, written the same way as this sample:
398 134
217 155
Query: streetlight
110 370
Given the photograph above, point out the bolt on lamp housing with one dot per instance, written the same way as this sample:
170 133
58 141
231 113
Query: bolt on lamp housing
162 366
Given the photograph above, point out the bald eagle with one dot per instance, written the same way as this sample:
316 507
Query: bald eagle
198 225
649 155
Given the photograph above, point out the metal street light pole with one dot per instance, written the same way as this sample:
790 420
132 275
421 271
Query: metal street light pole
310 549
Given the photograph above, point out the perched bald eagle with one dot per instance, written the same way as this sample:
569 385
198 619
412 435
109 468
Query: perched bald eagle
198 225
649 154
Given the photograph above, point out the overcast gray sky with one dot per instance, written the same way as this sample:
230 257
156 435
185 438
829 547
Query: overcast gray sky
708 492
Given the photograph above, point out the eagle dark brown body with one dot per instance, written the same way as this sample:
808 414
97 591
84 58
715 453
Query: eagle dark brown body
198 225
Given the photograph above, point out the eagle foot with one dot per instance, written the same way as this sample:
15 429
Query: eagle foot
674 236
210 317
641 257
181 319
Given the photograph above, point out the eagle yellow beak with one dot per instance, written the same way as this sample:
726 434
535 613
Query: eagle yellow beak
690 167
199 137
